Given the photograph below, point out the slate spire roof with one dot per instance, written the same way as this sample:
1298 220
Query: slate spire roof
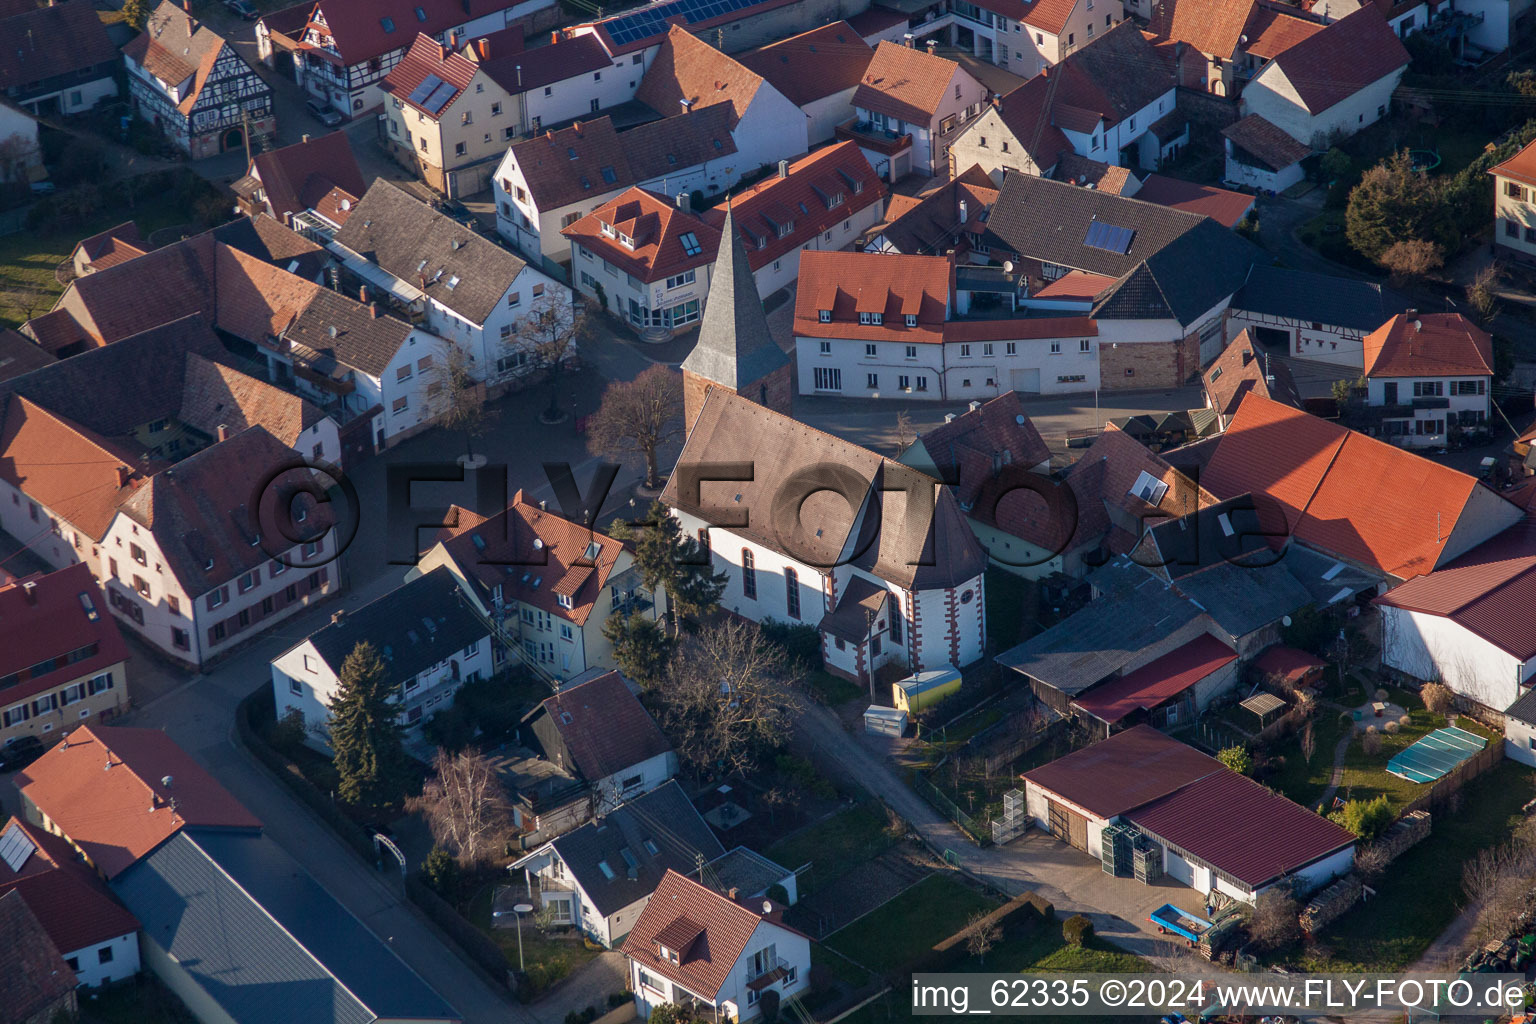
734 347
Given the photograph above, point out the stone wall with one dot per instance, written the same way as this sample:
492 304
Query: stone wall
1151 364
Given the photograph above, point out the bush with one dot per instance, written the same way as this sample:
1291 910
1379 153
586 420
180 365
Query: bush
671 1013
618 999
1405 721
449 728
1077 930
1237 758
1371 741
1365 818
1438 698
802 643
1390 728
441 872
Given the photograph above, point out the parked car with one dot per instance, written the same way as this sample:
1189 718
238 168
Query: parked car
20 752
242 8
326 115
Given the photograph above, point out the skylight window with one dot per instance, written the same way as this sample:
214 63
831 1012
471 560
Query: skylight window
607 871
1149 488
690 242
453 282
1109 238
421 14
609 175
388 23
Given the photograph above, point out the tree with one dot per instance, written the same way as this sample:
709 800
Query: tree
464 805
1438 698
549 333
365 730
981 935
641 647
1336 165
1275 922
1365 818
1412 260
731 698
1237 758
1394 203
441 872
1077 930
17 152
637 417
669 561
1482 291
1308 742
455 397
905 434
136 13
671 1013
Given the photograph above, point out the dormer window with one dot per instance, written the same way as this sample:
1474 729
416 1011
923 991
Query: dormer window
835 201
564 600
911 319
626 241
666 953
786 228
871 318
608 229
825 316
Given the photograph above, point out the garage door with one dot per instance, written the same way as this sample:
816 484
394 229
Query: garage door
1177 868
1069 826
1027 381
1272 336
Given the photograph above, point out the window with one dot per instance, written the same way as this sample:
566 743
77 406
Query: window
218 597
1530 234
294 686
825 316
791 593
911 351
141 585
678 280
1468 387
400 404
982 142
248 580
1511 229
1428 389
921 383
138 554
1071 378
1055 348
828 378
869 350
872 381
1514 190
172 605
825 348
957 90
181 639
1085 345
403 373
965 350
904 382
986 349
495 107
748 574
1011 348
104 955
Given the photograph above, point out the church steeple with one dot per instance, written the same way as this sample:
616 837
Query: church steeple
735 349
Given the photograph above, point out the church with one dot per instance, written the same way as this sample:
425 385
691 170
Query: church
808 527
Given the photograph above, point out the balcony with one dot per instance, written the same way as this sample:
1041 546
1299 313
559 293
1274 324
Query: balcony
868 136
779 970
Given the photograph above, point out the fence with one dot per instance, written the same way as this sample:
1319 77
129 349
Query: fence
969 825
998 755
1448 786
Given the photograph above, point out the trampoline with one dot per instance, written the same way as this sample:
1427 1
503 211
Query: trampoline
1435 754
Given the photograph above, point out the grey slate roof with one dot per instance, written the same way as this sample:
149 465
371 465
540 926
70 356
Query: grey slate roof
398 232
1184 279
734 346
413 627
662 817
1524 709
1242 599
263 939
1135 611
1179 547
1320 298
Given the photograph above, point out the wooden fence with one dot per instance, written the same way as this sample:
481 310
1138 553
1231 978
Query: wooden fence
1451 783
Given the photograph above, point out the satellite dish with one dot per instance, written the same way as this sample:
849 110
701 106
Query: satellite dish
767 906
1008 266
538 544
1019 419
1285 620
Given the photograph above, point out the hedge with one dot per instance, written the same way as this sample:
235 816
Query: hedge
476 946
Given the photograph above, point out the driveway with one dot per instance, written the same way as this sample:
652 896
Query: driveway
1071 880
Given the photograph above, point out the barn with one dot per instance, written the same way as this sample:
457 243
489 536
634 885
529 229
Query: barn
1217 830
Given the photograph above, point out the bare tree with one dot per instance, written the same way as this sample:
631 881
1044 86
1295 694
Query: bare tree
1371 860
549 334
464 805
981 935
637 417
1308 743
731 697
1438 697
454 396
905 434
1275 922
27 294
1483 290
1412 260
1495 882
16 152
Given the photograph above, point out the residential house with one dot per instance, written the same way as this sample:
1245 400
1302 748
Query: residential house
821 202
37 986
19 354
688 74
746 25
1221 43
644 257
890 326
1428 374
862 579
63 659
58 59
950 216
573 77
910 107
23 162
1514 205
149 484
1314 316
818 71
599 877
1024 38
546 585
230 922
694 945
474 294
315 181
1520 730
1323 478
1261 156
430 640
1160 319
1225 207
108 248
1241 369
1168 792
599 732
194 87
442 110
1086 105
346 47
1332 83
1405 16
548 183
96 936
1080 170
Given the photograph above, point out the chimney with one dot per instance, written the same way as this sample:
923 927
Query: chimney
684 202
949 417
931 43
554 37
687 104
337 616
483 47
123 473
964 210
362 294
442 52
783 168
223 431
906 40
29 591
576 127
373 310
304 137
974 406
453 42
732 893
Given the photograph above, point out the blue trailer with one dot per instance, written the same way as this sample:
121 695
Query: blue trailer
1170 918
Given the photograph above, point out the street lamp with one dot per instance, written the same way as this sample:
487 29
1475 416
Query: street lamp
519 909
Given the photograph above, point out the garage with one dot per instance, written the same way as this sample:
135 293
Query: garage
1178 869
1025 381
1069 826
1272 336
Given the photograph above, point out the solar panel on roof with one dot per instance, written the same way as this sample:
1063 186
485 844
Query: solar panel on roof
1108 237
439 98
424 90
15 847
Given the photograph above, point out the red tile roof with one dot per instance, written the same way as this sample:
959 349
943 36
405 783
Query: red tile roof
1221 205
104 790
503 54
35 982
1028 112
929 224
1076 284
813 65
720 928
358 30
685 67
1157 681
801 198
1428 345
657 227
604 726
1263 139
1079 170
53 41
906 83
175 47
875 20
300 177
1271 32
1214 27
75 908
1276 450
1492 600
1287 663
45 617
850 283
1330 66
71 471
1239 370
112 246
1521 166
426 56
965 445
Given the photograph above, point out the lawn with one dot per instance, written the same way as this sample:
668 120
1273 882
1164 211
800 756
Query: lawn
1304 781
895 934
28 258
548 958
1366 776
1420 894
832 690
835 844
